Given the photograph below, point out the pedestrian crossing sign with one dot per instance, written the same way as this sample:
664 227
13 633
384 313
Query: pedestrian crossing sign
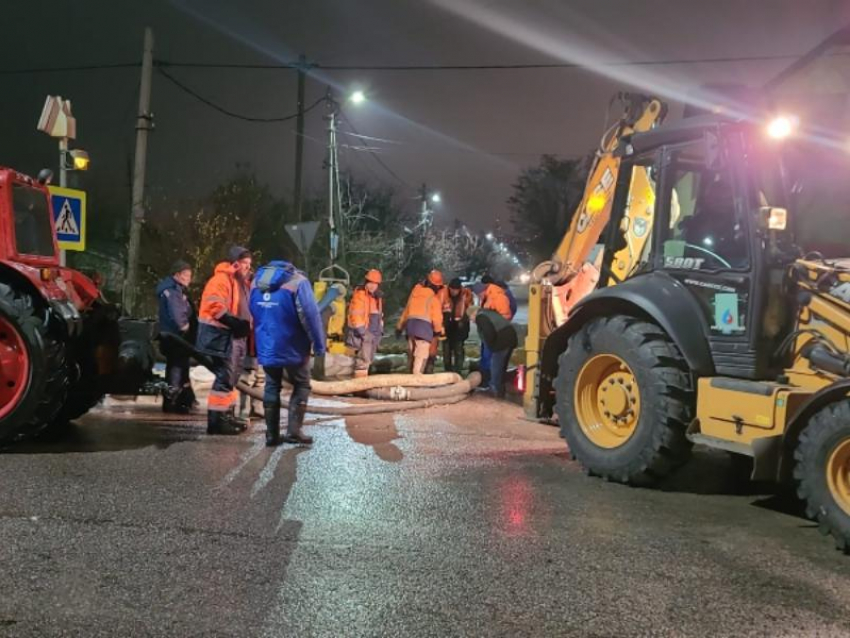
69 217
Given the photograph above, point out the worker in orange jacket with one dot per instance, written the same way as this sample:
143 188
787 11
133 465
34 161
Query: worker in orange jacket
365 325
491 296
445 304
422 320
224 324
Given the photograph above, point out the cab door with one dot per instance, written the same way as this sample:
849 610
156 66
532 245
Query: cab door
705 241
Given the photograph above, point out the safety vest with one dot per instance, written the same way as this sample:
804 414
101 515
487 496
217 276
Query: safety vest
495 298
366 311
425 305
221 295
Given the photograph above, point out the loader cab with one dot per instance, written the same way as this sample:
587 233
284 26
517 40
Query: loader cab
707 233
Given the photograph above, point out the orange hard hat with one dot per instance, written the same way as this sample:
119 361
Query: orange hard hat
374 276
435 277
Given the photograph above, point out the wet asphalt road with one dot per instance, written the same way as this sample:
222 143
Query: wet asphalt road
458 521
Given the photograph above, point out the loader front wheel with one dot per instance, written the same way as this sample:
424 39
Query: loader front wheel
624 398
822 471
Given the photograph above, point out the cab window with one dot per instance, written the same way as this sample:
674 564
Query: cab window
33 231
704 230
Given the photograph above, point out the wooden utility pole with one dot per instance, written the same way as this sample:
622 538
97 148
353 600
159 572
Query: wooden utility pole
144 124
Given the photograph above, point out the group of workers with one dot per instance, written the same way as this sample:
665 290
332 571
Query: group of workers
267 323
437 313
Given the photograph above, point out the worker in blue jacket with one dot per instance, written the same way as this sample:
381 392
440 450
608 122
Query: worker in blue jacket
286 323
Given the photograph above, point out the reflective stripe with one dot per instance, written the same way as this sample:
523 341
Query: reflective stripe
265 279
219 401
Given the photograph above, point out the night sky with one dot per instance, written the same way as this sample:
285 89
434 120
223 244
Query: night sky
465 133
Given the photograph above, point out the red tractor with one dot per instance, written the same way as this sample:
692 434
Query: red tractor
62 346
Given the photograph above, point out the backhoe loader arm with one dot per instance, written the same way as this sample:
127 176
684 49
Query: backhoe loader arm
590 218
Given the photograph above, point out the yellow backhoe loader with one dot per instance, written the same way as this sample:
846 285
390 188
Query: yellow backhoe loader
677 310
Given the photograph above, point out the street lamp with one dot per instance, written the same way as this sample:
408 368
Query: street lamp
489 236
358 97
436 199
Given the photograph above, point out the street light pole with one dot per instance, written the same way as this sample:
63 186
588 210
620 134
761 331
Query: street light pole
299 138
143 127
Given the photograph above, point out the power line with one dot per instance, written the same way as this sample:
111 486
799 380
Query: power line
66 69
408 67
229 113
377 158
478 67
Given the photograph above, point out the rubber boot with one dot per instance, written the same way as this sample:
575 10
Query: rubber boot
296 422
237 421
221 423
272 416
429 365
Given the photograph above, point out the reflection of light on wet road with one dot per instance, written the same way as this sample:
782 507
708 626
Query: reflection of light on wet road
267 473
516 501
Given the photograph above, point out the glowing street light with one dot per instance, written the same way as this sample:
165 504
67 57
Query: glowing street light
436 199
358 97
489 236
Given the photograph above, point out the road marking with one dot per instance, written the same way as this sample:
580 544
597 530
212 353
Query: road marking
246 458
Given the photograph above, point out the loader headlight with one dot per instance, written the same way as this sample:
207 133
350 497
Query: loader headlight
781 126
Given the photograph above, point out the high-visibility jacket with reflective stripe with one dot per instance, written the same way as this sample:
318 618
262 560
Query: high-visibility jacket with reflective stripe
366 311
495 298
425 305
221 295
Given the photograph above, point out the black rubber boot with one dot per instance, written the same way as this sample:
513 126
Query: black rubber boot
296 422
222 423
235 421
272 412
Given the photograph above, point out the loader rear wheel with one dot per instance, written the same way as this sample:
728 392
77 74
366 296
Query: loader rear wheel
822 471
624 398
32 368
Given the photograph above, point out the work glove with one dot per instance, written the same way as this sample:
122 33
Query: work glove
240 328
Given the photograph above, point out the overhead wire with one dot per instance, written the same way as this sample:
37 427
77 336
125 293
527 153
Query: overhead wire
475 67
228 112
376 157
405 67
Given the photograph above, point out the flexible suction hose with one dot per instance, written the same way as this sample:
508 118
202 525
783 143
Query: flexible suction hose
366 408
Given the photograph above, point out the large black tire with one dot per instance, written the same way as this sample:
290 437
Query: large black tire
47 384
101 338
657 443
826 434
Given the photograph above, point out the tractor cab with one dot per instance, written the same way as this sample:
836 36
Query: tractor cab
26 221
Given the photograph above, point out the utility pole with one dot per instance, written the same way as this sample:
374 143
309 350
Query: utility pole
299 137
144 123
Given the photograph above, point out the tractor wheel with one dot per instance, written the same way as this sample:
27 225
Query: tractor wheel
33 374
624 398
822 471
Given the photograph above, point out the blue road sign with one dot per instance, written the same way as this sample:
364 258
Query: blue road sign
69 217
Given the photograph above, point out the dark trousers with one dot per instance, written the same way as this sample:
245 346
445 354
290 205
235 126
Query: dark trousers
499 360
484 365
453 353
180 393
299 377
224 396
